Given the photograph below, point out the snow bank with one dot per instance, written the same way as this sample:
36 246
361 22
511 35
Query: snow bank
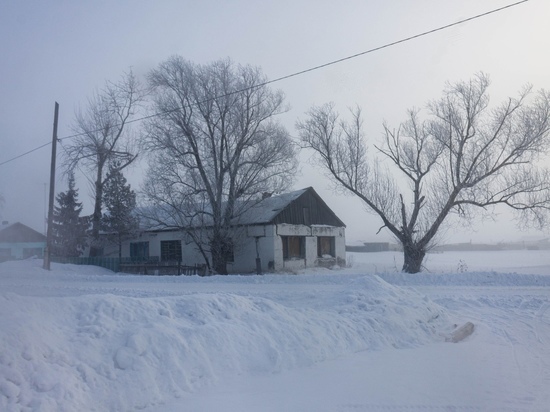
466 279
91 348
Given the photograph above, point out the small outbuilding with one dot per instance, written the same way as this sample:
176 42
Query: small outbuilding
287 232
18 241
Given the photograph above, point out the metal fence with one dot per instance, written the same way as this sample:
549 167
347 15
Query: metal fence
150 266
162 268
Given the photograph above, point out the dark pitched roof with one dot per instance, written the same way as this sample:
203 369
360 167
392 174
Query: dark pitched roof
266 210
20 233
302 206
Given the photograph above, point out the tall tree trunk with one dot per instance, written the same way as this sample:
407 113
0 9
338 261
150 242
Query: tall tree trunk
413 257
96 217
220 249
119 245
220 265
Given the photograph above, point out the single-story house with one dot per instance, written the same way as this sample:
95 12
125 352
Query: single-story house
18 241
280 233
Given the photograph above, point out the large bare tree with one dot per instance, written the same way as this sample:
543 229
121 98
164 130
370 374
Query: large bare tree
216 148
465 157
102 139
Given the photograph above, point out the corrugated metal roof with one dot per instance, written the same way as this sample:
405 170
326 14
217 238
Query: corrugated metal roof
261 212
267 209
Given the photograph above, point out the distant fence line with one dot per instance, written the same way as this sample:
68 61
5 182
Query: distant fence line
151 266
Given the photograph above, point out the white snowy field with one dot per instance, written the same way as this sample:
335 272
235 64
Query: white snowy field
365 338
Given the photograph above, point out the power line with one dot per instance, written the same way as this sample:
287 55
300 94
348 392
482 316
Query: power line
385 46
26 153
278 79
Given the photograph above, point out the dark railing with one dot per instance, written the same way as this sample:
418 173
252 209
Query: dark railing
162 268
149 266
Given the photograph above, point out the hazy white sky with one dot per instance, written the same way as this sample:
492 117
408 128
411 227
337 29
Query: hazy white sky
63 50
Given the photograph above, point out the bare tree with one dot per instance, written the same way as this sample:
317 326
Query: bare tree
1 204
215 147
465 158
103 140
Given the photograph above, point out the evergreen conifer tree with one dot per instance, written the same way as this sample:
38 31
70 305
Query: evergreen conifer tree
69 229
119 200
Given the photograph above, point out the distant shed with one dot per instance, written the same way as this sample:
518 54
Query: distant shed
369 247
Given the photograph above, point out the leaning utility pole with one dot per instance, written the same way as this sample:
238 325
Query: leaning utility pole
48 250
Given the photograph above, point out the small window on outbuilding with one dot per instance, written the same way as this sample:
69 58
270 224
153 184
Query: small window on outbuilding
326 246
170 250
293 247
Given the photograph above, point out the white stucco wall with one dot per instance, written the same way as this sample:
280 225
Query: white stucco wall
154 239
247 249
311 234
269 247
339 234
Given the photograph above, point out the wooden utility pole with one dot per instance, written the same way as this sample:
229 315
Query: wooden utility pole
48 250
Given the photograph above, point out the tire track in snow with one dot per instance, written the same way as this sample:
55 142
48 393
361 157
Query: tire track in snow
421 408
540 319
543 337
500 312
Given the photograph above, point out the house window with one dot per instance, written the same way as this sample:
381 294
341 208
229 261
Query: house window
34 251
139 250
294 247
5 253
170 250
325 246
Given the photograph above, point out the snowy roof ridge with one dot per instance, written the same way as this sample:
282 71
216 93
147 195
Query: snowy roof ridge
252 212
268 208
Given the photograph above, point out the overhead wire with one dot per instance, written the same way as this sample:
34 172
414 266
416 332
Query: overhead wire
298 73
26 153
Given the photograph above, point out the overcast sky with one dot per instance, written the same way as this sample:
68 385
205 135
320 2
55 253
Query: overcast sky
64 50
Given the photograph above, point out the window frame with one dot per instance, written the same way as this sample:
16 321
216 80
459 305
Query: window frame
139 256
170 250
331 246
290 244
33 251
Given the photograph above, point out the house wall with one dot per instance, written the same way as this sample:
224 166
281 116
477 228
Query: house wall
154 239
250 243
285 229
311 233
21 250
339 234
264 241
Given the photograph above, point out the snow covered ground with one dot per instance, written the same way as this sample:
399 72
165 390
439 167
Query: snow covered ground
365 338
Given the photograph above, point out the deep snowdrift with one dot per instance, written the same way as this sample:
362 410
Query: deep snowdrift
75 352
83 338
